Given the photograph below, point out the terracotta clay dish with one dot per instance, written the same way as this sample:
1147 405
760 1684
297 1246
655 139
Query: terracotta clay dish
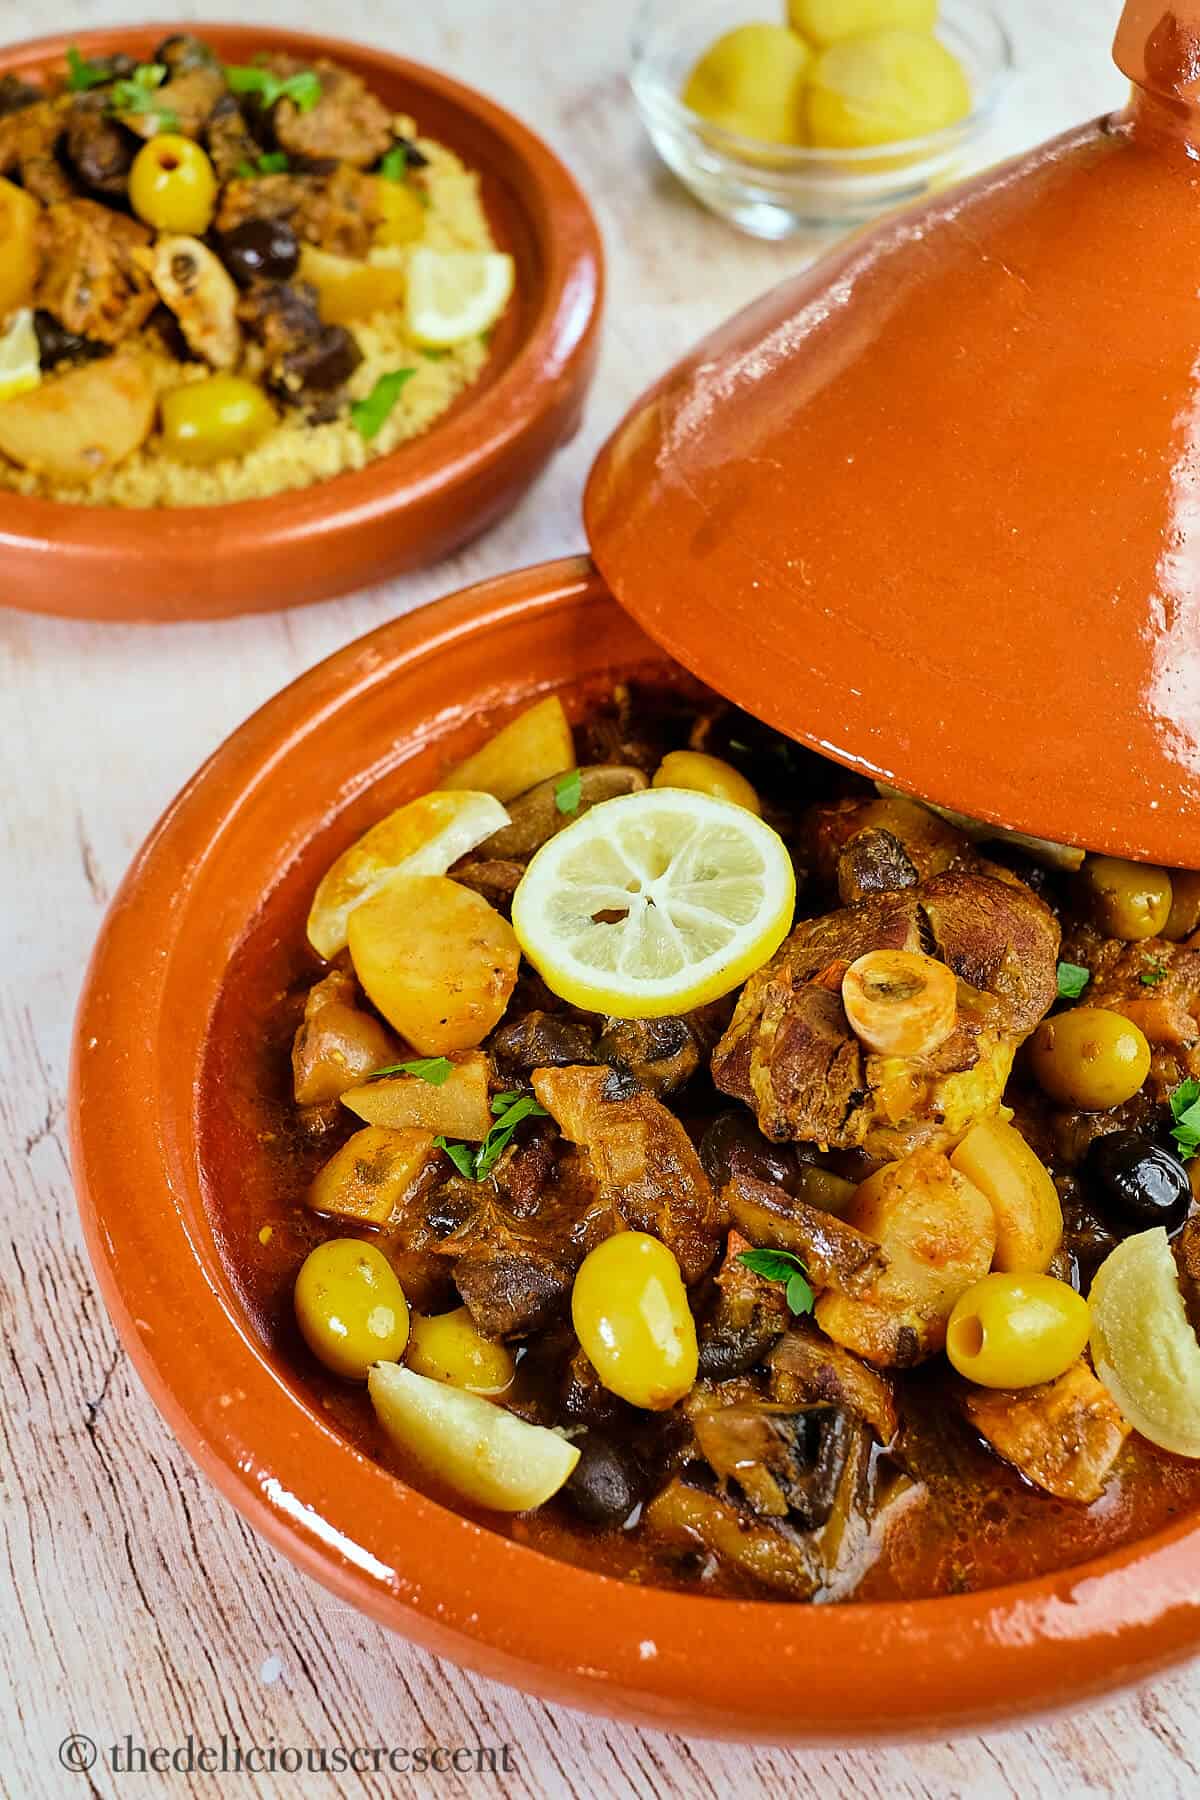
412 505
190 1160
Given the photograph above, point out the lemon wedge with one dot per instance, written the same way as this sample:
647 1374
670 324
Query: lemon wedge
426 837
655 903
20 359
1144 1349
454 295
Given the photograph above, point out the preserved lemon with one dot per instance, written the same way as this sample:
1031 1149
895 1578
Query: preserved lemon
882 89
1143 1346
751 81
825 21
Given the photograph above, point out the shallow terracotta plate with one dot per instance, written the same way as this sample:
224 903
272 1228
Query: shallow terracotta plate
934 506
405 510
290 784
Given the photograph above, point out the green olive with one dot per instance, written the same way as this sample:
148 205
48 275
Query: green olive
1089 1058
1184 917
631 1315
222 415
350 1307
173 186
1014 1331
1127 900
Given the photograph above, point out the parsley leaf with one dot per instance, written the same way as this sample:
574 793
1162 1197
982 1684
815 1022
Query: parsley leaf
271 162
476 1165
1072 979
136 96
436 1070
82 74
303 90
1152 973
1185 1110
568 792
781 1265
393 166
370 415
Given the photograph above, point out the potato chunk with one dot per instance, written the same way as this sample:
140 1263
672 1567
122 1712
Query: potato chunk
337 1043
1029 1221
939 1234
458 1108
371 1176
347 290
534 746
75 426
436 959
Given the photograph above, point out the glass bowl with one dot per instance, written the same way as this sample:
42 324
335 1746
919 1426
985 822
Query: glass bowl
772 190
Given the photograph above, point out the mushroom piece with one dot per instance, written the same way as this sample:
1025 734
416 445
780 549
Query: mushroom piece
535 817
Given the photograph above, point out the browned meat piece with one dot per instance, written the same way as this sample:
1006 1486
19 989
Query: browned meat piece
338 1043
768 1554
89 278
29 134
517 1238
263 197
1187 1261
786 1464
868 846
790 1052
187 99
304 359
645 1165
101 152
16 95
496 881
749 1315
45 178
229 140
535 816
182 52
807 1369
348 123
662 1053
541 1040
340 212
834 1254
1064 1436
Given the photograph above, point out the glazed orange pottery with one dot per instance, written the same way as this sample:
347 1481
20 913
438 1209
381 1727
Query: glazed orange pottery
297 781
933 507
407 509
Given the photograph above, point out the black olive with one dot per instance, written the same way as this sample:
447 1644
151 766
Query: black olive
325 363
261 249
1137 1183
733 1145
58 345
606 1483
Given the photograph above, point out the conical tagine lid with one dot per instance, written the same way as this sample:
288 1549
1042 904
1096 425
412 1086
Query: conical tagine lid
934 506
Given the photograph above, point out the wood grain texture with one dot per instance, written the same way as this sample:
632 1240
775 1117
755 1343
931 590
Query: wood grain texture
132 1599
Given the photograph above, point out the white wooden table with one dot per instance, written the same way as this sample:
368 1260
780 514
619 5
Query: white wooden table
132 1600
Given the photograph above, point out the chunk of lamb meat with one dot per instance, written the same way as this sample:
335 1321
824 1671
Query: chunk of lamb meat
495 879
1187 1261
806 1368
338 1044
90 279
790 1052
337 211
194 86
834 1254
348 123
100 151
1063 1436
645 1166
867 846
229 140
306 362
16 95
28 133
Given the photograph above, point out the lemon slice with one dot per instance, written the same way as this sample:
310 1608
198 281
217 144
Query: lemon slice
484 1453
426 837
20 359
1144 1349
655 903
456 294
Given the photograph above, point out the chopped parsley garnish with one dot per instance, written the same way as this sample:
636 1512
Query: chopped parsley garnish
303 90
568 792
1072 979
1185 1110
82 74
271 162
477 1164
781 1265
136 96
370 415
436 1070
393 165
1152 973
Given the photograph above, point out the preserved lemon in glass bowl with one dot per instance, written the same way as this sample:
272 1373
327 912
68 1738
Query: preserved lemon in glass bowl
821 117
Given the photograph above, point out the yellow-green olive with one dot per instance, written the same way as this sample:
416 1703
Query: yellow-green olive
1014 1331
706 775
1089 1058
1126 899
631 1315
1184 916
172 185
350 1307
448 1347
222 415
